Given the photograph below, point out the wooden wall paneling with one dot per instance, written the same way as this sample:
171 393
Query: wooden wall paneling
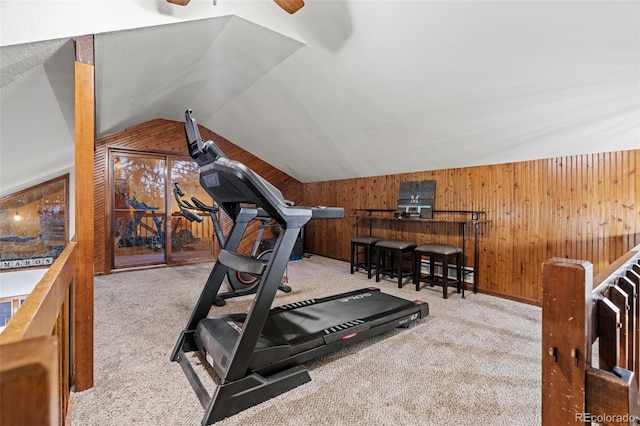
610 217
467 200
582 207
378 192
594 206
556 212
623 184
524 216
616 209
502 181
536 246
623 181
560 197
166 137
598 207
573 205
312 231
559 207
495 214
587 205
393 188
323 226
541 221
604 211
355 197
343 191
549 208
629 208
480 196
603 216
569 205
367 194
335 228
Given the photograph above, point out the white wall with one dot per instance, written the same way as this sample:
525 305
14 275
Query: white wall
19 282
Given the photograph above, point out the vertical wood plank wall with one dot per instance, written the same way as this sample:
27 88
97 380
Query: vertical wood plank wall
165 137
581 207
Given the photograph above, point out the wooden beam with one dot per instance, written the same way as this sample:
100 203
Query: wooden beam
82 309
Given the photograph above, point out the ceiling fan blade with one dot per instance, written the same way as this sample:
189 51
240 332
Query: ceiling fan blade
290 6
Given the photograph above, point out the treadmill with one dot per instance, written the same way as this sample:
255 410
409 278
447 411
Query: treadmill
260 354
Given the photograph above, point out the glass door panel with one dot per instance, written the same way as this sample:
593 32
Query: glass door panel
189 240
139 209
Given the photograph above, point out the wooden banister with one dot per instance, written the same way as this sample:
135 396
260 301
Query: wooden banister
36 349
578 310
29 385
38 314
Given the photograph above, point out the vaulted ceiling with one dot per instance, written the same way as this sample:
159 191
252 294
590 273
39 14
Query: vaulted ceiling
340 89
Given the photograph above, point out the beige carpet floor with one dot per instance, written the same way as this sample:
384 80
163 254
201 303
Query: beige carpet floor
473 361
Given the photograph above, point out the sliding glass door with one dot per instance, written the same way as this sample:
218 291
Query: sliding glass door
148 228
190 240
139 194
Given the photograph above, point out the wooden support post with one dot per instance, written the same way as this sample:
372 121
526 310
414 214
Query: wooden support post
82 351
566 286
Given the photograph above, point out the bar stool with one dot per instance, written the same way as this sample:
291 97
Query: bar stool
366 242
395 250
442 253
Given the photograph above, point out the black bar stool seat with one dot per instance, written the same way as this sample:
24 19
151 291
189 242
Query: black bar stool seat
444 253
395 251
367 242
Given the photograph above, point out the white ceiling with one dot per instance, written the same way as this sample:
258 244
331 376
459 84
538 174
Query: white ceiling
340 89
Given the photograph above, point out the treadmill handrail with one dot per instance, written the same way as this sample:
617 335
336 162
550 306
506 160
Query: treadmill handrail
202 152
257 190
241 263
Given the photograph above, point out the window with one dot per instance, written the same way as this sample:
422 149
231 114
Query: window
5 312
34 225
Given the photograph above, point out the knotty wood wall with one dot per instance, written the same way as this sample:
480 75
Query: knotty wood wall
582 207
165 137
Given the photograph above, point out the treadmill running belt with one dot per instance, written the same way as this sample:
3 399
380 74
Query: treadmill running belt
301 323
